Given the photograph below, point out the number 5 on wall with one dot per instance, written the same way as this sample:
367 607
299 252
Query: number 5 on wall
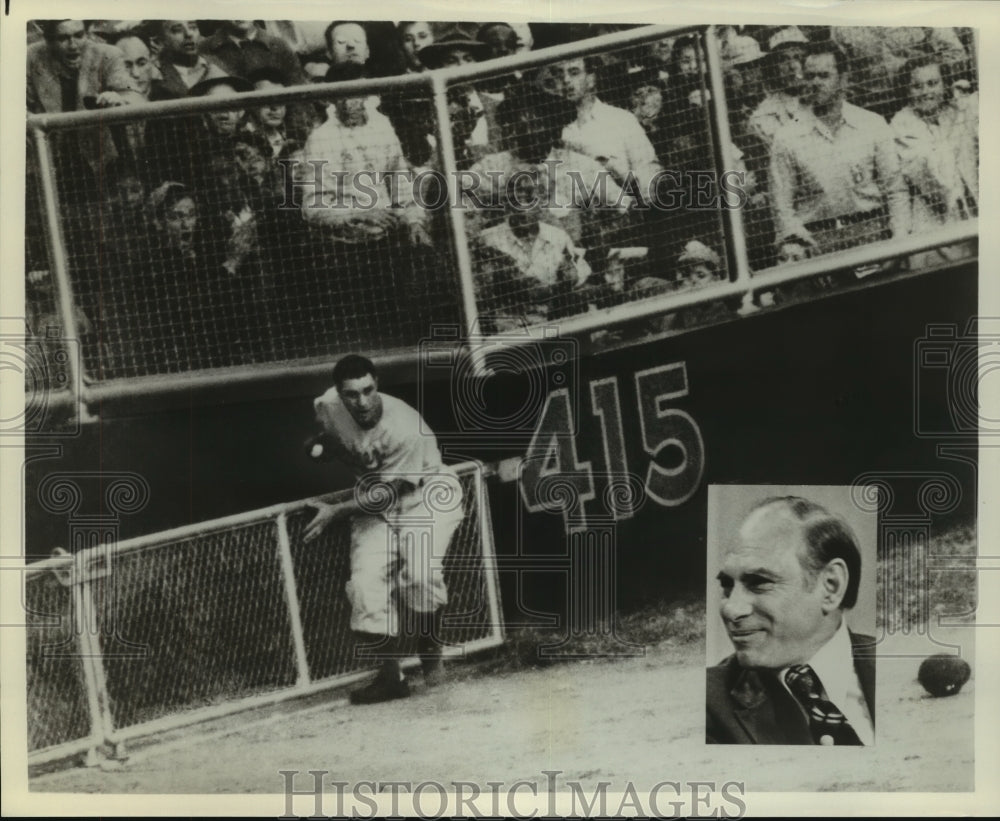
663 427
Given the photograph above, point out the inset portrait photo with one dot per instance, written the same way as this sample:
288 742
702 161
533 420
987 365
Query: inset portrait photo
790 604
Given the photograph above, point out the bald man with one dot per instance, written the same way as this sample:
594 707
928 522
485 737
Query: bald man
798 675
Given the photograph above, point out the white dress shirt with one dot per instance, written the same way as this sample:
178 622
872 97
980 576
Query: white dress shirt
347 158
775 110
540 257
819 173
615 137
834 665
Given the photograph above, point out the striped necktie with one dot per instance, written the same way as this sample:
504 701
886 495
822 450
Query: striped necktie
827 724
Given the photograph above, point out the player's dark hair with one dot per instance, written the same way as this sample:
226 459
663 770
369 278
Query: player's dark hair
827 537
820 47
353 366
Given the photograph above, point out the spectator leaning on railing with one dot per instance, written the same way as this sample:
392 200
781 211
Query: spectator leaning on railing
67 71
937 135
835 175
527 266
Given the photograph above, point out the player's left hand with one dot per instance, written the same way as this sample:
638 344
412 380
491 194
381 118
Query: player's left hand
323 517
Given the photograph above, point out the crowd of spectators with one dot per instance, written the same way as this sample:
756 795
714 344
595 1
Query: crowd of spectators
270 232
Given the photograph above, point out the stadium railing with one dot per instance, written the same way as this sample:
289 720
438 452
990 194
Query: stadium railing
326 288
133 638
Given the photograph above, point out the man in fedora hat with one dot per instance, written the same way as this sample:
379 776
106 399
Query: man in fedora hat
456 49
181 148
453 50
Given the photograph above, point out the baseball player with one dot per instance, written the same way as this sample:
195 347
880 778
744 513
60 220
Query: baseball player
410 505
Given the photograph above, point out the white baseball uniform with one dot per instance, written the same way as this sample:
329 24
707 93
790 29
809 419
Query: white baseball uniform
398 545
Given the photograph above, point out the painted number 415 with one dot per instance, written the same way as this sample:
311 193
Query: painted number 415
553 477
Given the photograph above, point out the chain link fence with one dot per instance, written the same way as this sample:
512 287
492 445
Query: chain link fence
216 617
58 713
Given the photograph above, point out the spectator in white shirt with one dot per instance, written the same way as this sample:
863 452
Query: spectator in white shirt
529 266
835 175
353 154
610 135
937 135
532 128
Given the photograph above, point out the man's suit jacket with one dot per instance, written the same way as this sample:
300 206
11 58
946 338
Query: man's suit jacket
102 68
750 706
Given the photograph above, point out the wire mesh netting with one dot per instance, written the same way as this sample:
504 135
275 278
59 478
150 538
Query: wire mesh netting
204 245
184 623
322 568
585 179
57 709
194 622
300 229
900 157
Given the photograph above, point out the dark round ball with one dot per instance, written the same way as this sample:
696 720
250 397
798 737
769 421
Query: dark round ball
943 675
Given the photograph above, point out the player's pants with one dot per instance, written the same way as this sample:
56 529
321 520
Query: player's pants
399 556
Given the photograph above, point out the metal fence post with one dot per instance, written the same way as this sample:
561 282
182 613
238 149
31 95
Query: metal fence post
735 237
57 258
292 599
89 649
456 217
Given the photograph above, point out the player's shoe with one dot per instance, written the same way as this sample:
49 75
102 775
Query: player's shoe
382 688
430 661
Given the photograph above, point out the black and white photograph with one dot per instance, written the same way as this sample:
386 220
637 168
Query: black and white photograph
791 581
582 413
